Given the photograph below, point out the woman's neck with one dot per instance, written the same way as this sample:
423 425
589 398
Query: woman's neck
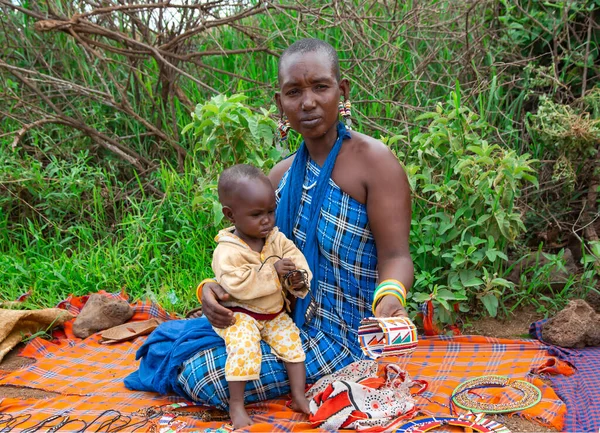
319 148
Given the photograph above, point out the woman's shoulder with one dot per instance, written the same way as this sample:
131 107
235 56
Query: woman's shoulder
365 153
366 146
279 170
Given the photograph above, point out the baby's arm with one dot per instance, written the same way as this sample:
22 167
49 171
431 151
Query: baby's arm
291 251
241 279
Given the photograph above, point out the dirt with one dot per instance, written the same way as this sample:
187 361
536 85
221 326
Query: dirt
13 362
517 326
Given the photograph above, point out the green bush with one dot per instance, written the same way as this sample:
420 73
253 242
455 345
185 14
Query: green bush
464 213
228 132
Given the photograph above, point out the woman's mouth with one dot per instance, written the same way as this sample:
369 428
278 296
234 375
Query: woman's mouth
312 121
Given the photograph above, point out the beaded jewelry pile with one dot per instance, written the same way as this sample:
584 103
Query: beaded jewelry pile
387 336
531 395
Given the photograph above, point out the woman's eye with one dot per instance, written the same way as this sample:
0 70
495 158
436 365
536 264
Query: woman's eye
292 92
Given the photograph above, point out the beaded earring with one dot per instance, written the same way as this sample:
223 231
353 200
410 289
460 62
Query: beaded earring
345 109
283 125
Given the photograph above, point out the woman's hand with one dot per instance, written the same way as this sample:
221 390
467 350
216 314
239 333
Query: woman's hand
217 315
390 306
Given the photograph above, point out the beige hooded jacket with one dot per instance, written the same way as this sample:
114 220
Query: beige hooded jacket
252 285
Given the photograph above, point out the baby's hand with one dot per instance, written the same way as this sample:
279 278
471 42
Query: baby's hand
297 281
284 266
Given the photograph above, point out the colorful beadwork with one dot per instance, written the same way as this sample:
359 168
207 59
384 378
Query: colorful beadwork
387 336
345 109
469 422
531 394
283 125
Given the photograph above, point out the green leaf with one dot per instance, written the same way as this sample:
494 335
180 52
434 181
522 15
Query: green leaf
490 302
469 278
217 213
420 297
187 127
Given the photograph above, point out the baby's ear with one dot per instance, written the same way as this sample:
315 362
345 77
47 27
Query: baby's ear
228 214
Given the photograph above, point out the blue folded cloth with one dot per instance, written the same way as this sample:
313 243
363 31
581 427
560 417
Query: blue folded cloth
168 346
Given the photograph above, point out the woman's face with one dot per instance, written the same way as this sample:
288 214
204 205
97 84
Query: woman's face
310 93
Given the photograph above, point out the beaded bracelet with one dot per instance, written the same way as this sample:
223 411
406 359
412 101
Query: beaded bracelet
199 288
389 287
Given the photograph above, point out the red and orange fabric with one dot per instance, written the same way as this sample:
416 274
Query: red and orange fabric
88 379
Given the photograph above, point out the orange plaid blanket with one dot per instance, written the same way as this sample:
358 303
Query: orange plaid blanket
88 378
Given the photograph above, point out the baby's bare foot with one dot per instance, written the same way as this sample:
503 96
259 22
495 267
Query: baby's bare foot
239 416
300 404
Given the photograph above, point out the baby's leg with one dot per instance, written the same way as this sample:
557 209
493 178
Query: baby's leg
242 340
237 411
284 338
297 375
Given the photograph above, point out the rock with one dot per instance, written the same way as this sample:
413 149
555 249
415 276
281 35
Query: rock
577 326
593 298
557 277
99 313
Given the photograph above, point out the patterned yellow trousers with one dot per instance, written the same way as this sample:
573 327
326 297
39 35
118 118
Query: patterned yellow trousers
243 344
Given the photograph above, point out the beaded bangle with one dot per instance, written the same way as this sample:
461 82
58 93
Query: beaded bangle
531 394
390 282
389 287
199 288
382 294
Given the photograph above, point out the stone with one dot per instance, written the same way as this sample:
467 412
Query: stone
101 312
575 326
557 276
593 298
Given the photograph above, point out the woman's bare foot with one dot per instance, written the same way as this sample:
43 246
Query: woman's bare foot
300 404
239 416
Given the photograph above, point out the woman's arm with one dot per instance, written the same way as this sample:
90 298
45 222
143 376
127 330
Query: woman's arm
389 211
217 315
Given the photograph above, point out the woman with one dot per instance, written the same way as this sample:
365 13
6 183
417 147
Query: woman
344 199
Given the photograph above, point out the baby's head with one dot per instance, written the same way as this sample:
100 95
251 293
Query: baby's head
248 201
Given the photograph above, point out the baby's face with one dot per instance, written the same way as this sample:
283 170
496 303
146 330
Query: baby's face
254 209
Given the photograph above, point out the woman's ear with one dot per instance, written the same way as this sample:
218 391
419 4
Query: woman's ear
228 214
345 88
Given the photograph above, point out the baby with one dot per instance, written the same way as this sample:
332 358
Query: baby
256 264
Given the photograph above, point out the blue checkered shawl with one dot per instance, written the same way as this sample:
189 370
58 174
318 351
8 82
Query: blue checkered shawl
347 263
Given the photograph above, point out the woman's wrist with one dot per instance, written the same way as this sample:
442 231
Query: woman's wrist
201 285
389 287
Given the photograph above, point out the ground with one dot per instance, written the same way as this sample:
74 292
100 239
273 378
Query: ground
515 326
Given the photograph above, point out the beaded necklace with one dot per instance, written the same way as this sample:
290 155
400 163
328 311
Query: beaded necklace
531 395
468 422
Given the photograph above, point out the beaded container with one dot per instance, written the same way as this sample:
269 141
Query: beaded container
387 336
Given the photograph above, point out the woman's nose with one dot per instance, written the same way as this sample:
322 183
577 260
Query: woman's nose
308 103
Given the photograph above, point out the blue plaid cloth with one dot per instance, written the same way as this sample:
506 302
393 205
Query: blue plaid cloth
580 391
347 279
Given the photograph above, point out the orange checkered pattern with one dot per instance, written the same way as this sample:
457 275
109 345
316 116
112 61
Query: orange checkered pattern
88 379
